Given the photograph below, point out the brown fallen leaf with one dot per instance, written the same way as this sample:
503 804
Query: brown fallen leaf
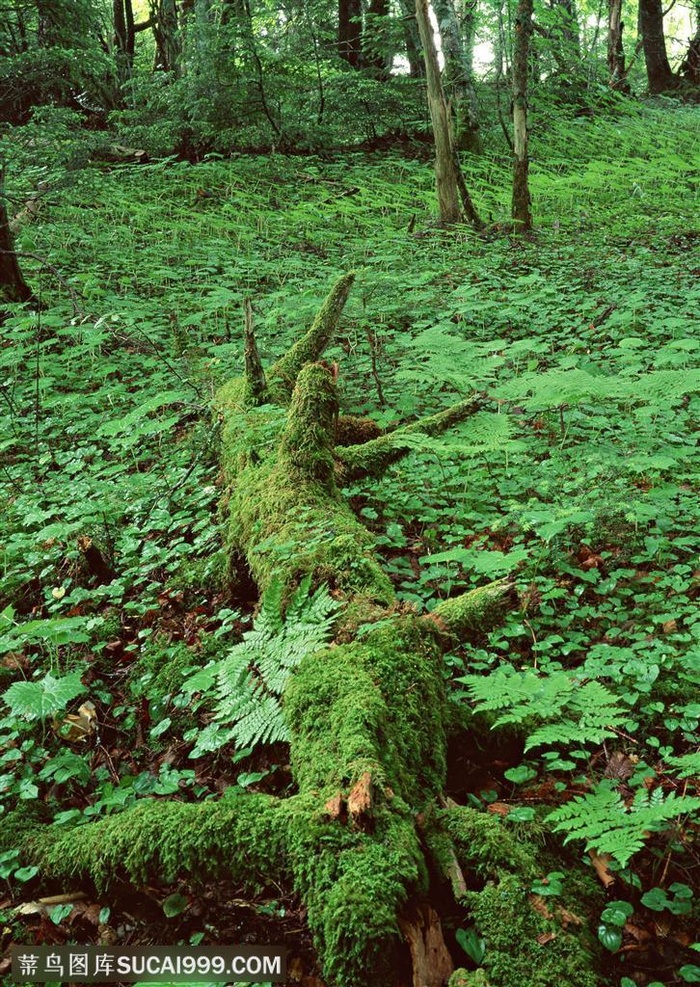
500 808
545 937
600 863
77 727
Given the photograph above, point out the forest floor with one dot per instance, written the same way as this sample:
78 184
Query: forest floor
579 480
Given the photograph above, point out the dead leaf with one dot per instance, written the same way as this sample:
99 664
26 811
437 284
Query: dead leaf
31 908
600 863
500 808
77 727
544 937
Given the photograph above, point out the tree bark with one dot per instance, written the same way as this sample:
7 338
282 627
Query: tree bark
13 287
457 77
522 214
124 38
449 181
164 22
616 52
350 31
660 78
690 68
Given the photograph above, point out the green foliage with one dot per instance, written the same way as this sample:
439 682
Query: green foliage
605 823
574 712
251 680
38 700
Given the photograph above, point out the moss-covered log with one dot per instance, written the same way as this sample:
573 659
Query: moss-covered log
363 839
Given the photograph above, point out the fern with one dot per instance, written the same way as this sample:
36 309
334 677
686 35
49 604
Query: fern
252 678
571 711
606 824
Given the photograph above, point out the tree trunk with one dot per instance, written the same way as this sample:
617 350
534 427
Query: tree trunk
449 181
411 39
690 68
651 23
616 51
164 22
13 287
363 839
124 38
350 31
522 214
457 78
377 56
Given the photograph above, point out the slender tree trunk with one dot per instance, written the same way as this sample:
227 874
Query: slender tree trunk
411 39
13 287
449 181
166 35
690 69
350 32
457 78
124 38
616 51
651 23
522 214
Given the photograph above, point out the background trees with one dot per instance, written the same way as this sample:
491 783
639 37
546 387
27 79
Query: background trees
215 74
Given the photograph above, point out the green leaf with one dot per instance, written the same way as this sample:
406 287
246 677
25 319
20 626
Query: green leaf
472 944
610 937
617 913
175 904
37 700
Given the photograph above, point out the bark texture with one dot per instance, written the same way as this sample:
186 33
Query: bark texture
452 194
651 23
522 214
13 287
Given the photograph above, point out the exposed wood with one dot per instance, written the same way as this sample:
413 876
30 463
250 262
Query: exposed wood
431 961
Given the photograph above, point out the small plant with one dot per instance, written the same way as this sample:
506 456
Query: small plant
606 824
612 922
252 679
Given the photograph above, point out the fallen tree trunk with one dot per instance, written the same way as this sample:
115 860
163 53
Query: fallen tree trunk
363 840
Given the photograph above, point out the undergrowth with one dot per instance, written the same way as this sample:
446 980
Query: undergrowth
579 479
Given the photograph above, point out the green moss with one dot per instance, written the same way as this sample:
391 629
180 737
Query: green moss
478 609
484 844
354 885
242 838
283 375
504 916
466 978
377 706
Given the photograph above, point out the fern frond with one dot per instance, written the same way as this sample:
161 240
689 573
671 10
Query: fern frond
605 824
253 676
571 711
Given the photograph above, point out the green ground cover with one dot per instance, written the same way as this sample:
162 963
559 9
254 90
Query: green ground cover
578 479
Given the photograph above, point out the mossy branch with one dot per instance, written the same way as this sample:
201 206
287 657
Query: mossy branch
479 609
256 385
283 374
374 457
